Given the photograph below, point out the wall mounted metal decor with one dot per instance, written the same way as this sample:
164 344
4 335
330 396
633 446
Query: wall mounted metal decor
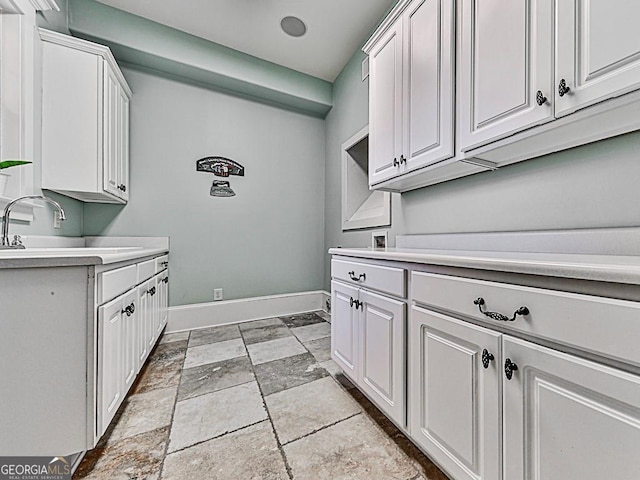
221 188
220 167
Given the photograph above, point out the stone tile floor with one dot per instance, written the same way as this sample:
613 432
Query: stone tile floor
258 400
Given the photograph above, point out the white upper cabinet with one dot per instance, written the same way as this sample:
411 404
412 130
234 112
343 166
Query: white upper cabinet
506 68
532 77
85 121
411 89
385 99
525 66
598 51
428 83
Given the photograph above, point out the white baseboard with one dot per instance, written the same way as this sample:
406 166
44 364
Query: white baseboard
325 296
202 315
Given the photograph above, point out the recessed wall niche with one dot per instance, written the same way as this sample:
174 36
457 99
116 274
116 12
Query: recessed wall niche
361 207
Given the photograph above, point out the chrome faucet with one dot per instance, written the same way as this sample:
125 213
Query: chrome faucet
4 243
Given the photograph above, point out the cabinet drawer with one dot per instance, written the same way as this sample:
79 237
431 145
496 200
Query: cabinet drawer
377 277
162 263
598 325
146 270
114 282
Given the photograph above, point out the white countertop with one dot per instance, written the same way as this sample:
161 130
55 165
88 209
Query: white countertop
95 251
603 268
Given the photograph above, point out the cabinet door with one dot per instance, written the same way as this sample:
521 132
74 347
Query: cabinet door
123 144
506 57
344 328
568 419
385 106
110 361
598 51
157 305
111 151
144 312
129 339
382 353
152 314
163 289
428 77
454 400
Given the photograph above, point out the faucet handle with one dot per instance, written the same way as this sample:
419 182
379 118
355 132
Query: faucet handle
17 241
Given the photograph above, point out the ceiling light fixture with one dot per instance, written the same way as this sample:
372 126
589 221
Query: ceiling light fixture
293 26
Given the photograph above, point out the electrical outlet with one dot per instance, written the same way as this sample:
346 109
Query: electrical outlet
217 294
57 222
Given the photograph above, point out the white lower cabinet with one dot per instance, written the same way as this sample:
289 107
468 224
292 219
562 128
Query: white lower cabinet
144 324
163 299
566 418
128 328
485 405
116 361
454 394
484 398
367 341
344 328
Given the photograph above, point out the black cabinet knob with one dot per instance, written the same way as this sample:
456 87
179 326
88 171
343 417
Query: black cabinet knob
563 89
486 358
129 309
509 368
540 98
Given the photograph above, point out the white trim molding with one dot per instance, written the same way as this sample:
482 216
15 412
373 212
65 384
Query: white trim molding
325 297
20 6
44 5
11 6
202 315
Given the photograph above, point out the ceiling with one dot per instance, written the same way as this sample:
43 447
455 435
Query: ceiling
335 28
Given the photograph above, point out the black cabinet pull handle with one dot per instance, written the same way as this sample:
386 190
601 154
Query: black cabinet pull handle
122 187
499 316
402 159
509 368
357 303
396 162
486 358
165 280
563 89
352 276
152 291
540 98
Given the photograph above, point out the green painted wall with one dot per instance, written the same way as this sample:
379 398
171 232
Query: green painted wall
591 186
141 42
269 238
